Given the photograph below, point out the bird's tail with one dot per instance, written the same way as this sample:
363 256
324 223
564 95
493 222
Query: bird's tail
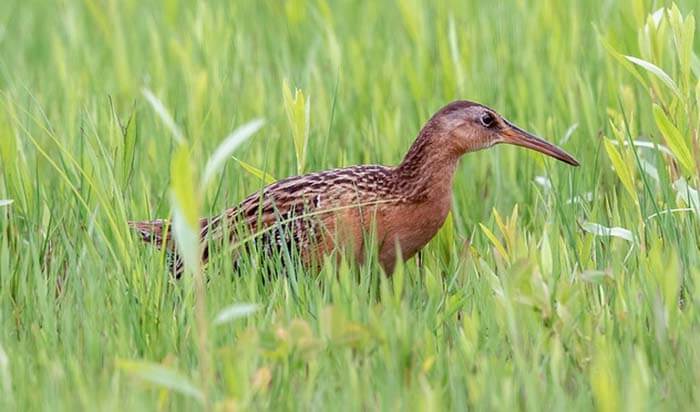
159 234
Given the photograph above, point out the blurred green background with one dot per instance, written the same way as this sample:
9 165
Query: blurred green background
549 288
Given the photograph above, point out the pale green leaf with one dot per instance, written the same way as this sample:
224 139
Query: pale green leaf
687 194
594 276
544 182
674 139
695 64
658 15
567 135
454 53
6 202
649 169
260 174
5 375
646 145
4 360
398 275
686 50
623 61
656 71
162 376
164 115
584 198
604 385
492 279
186 240
227 147
185 204
494 240
621 167
546 259
600 230
184 191
298 110
446 234
683 33
235 311
499 222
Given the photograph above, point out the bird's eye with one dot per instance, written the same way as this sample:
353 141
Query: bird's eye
488 120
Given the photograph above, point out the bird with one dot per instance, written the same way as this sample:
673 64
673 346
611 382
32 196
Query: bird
402 206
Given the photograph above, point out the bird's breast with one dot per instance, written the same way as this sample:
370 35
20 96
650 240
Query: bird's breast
412 226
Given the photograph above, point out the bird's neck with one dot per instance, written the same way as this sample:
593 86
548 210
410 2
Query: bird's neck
427 170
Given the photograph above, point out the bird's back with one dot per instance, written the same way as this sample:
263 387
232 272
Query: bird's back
316 192
312 213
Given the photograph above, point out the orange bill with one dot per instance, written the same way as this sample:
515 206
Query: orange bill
519 137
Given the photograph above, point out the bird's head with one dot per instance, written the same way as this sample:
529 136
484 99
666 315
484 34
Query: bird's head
464 126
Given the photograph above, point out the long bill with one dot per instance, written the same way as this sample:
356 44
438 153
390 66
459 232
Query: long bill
519 137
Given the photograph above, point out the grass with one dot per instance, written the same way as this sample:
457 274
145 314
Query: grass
528 298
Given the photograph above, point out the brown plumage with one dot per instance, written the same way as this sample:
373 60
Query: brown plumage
403 206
